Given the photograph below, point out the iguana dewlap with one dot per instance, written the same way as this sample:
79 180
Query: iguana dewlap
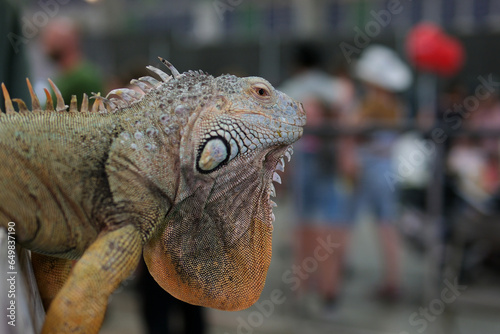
182 173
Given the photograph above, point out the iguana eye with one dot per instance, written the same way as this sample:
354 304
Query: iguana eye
261 91
214 153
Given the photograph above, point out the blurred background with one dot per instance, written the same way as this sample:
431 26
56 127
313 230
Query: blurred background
387 219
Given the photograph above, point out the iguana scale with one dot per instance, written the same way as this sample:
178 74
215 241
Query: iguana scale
182 173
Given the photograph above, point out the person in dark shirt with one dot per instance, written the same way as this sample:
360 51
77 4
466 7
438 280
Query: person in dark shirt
62 44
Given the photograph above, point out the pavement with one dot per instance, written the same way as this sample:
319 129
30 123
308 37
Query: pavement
445 307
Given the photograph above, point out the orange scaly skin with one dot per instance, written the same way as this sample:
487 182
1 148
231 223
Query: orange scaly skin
182 173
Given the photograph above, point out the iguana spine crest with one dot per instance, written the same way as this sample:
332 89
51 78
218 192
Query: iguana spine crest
114 101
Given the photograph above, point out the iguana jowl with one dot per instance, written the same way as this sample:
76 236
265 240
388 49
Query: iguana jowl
182 172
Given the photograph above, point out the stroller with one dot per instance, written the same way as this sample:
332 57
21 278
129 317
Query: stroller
473 238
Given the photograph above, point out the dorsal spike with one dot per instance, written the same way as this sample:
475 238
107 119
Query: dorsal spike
73 105
142 85
35 103
85 103
128 95
49 105
95 106
9 108
164 76
149 81
105 105
23 108
101 104
171 67
61 106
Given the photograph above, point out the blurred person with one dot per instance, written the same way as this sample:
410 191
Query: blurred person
61 42
473 177
474 161
488 118
322 198
383 74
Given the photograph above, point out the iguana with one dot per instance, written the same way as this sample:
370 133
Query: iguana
182 173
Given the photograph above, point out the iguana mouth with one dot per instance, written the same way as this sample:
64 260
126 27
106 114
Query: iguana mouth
278 167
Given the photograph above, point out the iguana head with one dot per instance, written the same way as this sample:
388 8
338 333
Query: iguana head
214 247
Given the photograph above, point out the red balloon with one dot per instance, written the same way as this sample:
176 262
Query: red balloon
422 45
429 49
450 57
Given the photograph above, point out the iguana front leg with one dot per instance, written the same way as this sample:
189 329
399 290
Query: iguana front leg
80 305
51 274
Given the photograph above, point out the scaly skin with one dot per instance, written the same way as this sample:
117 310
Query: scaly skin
182 174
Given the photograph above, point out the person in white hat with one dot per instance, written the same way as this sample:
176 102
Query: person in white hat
383 74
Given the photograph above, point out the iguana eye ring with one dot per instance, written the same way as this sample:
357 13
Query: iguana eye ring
261 91
214 153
